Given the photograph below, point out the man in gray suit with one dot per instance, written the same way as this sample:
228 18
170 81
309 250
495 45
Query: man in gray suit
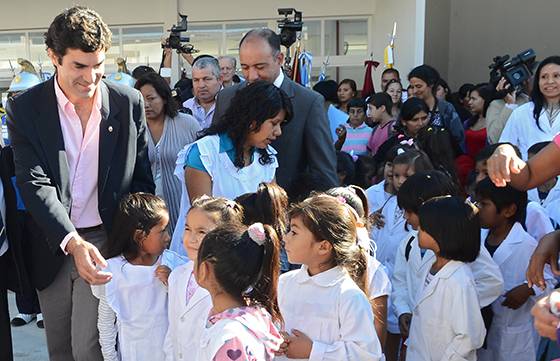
79 146
305 146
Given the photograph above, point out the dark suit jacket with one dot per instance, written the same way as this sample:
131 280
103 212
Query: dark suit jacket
13 260
42 173
305 145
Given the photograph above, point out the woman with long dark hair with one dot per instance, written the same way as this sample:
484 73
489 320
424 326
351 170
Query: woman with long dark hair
539 120
234 155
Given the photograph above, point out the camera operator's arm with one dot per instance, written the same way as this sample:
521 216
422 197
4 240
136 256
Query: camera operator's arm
188 57
499 111
165 70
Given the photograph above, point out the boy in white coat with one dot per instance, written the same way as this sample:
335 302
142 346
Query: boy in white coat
511 335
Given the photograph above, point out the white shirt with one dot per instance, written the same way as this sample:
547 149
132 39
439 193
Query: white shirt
4 247
407 277
203 117
521 128
186 320
332 310
446 323
279 79
512 335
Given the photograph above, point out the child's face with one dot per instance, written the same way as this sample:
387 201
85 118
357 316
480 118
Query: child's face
401 172
198 223
158 239
357 116
488 214
426 241
412 219
481 170
376 113
419 121
301 245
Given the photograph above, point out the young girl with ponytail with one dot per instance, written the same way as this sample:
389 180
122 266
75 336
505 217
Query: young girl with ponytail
239 267
324 304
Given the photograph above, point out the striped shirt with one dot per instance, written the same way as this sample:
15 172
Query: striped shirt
356 139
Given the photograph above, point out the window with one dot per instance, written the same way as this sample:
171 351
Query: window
346 37
311 37
234 34
206 38
115 50
12 47
142 45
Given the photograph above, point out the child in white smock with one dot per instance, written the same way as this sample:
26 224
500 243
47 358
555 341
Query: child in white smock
132 314
189 304
324 304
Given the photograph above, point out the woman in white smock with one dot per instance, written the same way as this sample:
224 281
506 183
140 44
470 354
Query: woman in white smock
538 120
234 155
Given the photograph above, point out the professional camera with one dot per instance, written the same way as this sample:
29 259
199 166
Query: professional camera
515 70
175 40
289 28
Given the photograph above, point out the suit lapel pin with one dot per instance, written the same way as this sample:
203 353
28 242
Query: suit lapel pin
110 129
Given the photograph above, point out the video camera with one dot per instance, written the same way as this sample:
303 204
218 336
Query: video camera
515 70
289 28
175 40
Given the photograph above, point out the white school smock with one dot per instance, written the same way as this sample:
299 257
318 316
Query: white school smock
521 128
408 275
446 321
376 196
387 240
227 180
537 221
186 320
332 310
139 302
512 335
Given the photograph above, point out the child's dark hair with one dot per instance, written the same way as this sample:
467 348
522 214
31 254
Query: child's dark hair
137 212
221 210
503 197
537 147
243 268
327 88
268 205
356 103
414 158
366 169
422 186
330 220
345 164
440 147
381 99
454 225
413 106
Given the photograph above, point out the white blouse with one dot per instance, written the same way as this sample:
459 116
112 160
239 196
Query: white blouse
332 310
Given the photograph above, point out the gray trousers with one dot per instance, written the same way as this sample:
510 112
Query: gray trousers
70 312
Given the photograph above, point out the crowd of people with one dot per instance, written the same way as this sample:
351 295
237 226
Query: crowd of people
259 219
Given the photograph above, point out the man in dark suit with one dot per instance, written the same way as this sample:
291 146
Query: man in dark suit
305 146
79 146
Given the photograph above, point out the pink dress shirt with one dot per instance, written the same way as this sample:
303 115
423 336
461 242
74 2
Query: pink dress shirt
82 152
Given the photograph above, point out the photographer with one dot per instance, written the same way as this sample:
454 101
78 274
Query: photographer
538 120
500 109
